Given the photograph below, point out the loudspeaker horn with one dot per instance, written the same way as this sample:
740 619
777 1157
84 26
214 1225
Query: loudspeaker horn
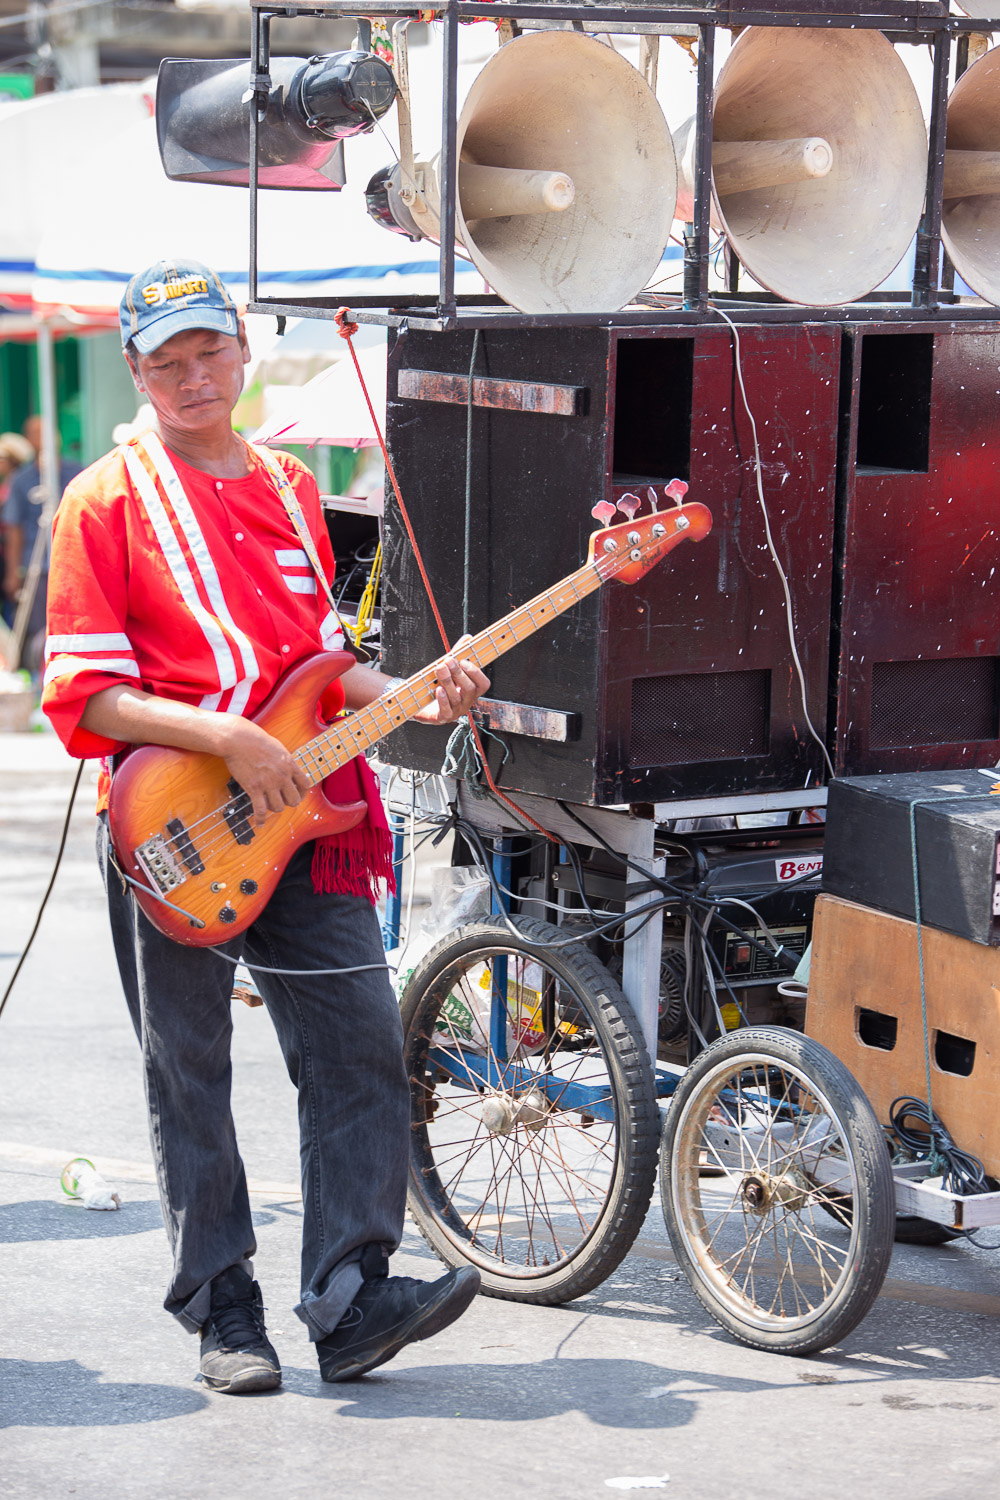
970 218
566 177
203 118
819 155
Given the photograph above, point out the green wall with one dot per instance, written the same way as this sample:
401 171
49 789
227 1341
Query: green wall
19 389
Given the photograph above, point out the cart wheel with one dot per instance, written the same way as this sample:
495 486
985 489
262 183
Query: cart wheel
908 1229
534 1126
766 1129
912 1230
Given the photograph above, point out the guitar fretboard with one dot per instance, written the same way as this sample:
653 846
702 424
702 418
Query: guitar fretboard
359 731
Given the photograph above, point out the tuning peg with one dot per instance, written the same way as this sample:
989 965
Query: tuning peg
629 504
651 497
676 490
603 511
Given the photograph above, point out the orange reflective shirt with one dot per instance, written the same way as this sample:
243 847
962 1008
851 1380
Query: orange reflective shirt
190 587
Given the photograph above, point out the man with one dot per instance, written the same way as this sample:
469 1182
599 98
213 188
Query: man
21 515
181 593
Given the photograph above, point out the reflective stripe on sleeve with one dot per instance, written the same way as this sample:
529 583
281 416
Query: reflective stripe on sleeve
72 666
87 643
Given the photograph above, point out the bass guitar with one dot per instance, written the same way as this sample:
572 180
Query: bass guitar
182 828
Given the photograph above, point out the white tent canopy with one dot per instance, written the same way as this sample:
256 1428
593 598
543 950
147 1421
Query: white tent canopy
332 407
46 145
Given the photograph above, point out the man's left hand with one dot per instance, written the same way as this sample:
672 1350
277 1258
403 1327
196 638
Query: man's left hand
460 685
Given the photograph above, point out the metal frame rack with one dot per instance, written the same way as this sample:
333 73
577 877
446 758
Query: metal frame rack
931 301
917 22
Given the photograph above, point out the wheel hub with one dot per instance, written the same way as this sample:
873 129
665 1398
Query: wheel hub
760 1191
500 1112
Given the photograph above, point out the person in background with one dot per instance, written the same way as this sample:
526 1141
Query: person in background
20 516
15 450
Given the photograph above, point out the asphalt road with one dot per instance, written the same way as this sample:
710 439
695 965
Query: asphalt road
632 1387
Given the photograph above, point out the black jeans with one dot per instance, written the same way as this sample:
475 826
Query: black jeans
342 1042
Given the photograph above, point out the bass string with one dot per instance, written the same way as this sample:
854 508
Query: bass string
216 822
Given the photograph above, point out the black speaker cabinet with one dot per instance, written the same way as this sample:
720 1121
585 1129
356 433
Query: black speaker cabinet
917 637
683 684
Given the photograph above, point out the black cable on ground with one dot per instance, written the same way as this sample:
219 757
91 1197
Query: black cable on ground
48 892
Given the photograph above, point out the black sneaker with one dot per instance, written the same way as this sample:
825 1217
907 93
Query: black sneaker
388 1313
236 1355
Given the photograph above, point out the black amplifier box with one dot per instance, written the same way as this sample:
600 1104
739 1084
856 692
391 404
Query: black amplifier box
868 854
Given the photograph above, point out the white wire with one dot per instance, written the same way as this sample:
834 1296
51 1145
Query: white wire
758 475
404 941
689 923
709 976
735 901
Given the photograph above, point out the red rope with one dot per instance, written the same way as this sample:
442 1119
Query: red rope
347 331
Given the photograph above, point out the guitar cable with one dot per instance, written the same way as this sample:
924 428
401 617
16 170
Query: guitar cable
48 892
211 948
266 969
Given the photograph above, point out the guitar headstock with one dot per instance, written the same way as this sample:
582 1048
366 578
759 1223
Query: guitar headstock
628 551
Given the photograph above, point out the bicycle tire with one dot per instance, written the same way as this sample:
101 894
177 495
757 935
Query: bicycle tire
589 1177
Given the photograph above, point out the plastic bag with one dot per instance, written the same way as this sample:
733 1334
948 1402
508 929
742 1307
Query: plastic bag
459 894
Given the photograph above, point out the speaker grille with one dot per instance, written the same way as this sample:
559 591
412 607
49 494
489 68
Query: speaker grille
933 702
699 716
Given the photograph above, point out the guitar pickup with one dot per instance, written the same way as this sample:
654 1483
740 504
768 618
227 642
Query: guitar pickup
236 813
184 846
161 869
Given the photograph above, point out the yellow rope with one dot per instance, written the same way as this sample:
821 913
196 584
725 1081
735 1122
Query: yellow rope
366 608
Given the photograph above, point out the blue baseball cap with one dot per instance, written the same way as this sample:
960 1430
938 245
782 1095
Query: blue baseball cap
171 296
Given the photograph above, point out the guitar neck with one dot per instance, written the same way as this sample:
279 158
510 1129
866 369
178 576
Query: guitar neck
357 732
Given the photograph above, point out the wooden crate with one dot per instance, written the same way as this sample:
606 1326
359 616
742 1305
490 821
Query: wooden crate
865 976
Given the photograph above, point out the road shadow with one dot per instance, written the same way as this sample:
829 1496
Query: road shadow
631 1394
48 1219
64 1393
617 1393
44 1219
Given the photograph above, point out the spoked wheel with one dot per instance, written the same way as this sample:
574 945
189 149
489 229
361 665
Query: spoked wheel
534 1120
765 1138
911 1230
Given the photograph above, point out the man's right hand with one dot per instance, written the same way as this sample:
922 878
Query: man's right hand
269 774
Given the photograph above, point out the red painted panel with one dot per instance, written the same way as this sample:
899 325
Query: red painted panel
921 570
719 608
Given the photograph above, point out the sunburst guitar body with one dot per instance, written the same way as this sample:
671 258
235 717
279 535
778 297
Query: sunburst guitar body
182 827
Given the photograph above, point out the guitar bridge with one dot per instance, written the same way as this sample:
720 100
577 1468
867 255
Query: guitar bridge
160 867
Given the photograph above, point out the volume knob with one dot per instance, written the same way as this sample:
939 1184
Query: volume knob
227 914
